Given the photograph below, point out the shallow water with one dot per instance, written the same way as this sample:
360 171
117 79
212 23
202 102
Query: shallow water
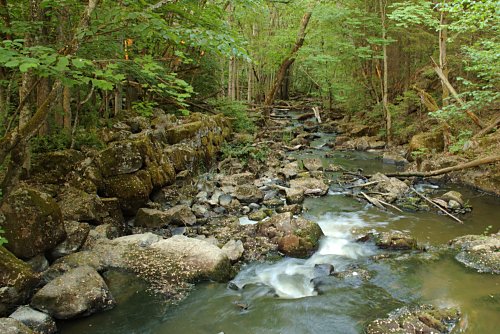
280 297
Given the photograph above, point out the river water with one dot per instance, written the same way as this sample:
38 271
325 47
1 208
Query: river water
288 297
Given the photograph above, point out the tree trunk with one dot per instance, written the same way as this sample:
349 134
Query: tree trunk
443 64
286 63
66 103
385 102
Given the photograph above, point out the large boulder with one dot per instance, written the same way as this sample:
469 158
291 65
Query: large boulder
479 252
204 259
151 218
310 186
76 236
393 240
295 237
54 167
80 206
418 319
426 142
17 280
38 321
122 157
32 221
13 326
79 292
180 215
248 193
391 187
132 190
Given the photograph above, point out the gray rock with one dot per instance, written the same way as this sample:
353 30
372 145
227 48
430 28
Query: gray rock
13 326
181 215
393 187
294 195
453 196
238 179
141 240
392 158
200 211
293 208
395 240
245 210
79 292
77 205
233 249
248 194
151 218
270 195
479 252
39 263
290 170
76 236
254 206
310 185
313 164
38 321
225 200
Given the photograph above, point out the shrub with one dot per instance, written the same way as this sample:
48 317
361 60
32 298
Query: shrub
237 111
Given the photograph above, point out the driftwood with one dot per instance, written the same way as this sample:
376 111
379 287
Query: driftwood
316 114
487 129
373 201
363 185
437 206
474 163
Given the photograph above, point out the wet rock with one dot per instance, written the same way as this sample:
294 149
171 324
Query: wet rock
418 319
13 326
258 215
32 221
204 259
391 187
310 185
151 218
233 249
79 292
76 236
38 263
17 279
323 269
248 194
295 237
479 252
37 321
313 164
453 196
354 272
393 158
394 240
180 215
294 195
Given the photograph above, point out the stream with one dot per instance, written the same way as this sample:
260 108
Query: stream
288 297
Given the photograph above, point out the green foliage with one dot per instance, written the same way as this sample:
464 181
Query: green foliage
459 141
59 140
2 238
237 111
244 152
87 139
420 153
144 108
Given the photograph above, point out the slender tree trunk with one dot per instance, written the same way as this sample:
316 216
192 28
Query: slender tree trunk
443 64
66 103
385 103
286 63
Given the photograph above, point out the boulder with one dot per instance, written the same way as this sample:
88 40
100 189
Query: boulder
294 195
141 240
310 186
13 326
313 164
151 218
37 321
290 170
72 261
201 257
391 187
453 196
17 280
295 209
123 157
79 292
395 240
180 215
54 167
238 179
76 236
392 158
418 319
426 142
80 206
132 190
32 222
233 249
295 237
479 252
248 193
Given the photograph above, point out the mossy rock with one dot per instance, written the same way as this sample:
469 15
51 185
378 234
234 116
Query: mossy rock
182 132
32 221
182 156
132 190
17 280
54 167
426 142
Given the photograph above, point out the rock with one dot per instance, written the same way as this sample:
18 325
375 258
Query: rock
323 269
37 321
72 261
141 240
123 157
392 187
79 292
54 167
258 215
180 215
392 158
293 208
202 258
238 179
248 194
418 319
313 164
454 205
310 185
395 240
479 252
200 211
360 130
290 170
13 326
453 196
77 205
17 280
426 143
295 237
233 249
76 236
132 190
32 222
151 218
225 200
38 263
273 203
294 195
355 273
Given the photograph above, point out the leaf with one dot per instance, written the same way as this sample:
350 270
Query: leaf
62 64
24 67
13 63
78 63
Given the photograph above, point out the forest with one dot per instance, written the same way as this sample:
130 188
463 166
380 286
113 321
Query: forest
115 114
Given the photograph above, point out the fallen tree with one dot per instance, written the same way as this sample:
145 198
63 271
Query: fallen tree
470 164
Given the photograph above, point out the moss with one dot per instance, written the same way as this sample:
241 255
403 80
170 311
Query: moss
179 133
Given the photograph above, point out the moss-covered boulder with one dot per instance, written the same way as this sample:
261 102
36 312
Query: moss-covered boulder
132 190
122 157
426 142
297 237
32 221
394 240
17 280
13 326
182 156
77 205
182 132
54 167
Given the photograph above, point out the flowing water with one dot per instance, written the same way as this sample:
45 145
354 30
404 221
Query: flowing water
288 297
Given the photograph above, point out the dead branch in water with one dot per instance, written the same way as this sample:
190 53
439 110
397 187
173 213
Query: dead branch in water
436 205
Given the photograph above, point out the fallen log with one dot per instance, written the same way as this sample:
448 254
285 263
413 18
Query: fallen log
470 164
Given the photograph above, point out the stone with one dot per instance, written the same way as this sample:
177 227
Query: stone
140 240
77 234
426 143
258 215
225 200
77 205
392 158
453 196
391 187
310 185
203 258
290 170
295 209
54 167
72 261
454 205
151 218
180 215
32 221
395 240
323 269
294 195
313 164
233 249
37 321
238 179
38 263
132 190
479 252
79 292
13 326
248 194
17 280
200 211
123 157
